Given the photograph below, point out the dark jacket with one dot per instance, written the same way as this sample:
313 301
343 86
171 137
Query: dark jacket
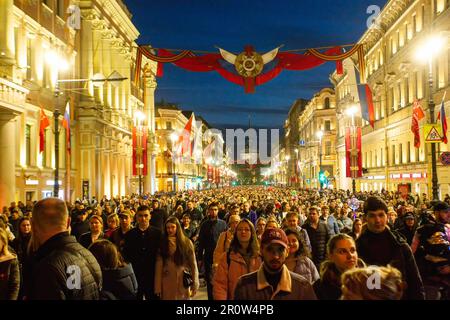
86 239
319 238
251 215
118 238
140 249
209 233
55 267
9 279
20 246
195 214
120 284
159 217
397 253
79 228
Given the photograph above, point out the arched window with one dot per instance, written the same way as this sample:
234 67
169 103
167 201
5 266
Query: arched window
327 103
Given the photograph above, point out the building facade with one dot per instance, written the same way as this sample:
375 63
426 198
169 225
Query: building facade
397 78
318 153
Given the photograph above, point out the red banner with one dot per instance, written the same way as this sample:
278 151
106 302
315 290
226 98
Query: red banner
359 148
348 153
216 175
134 145
210 173
144 150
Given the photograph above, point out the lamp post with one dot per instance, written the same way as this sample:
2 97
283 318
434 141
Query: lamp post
174 138
351 113
427 52
320 136
296 167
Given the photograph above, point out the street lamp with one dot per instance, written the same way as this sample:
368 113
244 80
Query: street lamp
319 136
174 138
296 166
428 51
139 118
351 111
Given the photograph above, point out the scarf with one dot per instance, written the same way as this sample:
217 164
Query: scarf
172 245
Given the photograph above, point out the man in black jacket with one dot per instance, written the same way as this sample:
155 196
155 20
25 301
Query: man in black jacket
380 246
209 234
60 269
140 248
318 235
158 215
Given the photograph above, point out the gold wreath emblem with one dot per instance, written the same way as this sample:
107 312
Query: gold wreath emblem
249 65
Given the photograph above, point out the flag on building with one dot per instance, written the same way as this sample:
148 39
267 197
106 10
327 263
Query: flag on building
66 125
43 124
417 115
186 137
365 100
442 117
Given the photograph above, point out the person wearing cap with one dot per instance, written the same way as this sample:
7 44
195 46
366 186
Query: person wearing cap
80 225
381 246
431 245
273 280
409 227
95 233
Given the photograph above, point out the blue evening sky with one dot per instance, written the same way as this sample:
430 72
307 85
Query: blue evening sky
232 24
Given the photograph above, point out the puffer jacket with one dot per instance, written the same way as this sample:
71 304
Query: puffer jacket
9 278
121 283
226 276
318 238
401 258
61 269
306 268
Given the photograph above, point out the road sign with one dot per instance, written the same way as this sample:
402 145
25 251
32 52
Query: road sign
445 158
326 173
432 133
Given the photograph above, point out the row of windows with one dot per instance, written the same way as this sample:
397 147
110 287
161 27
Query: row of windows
402 153
57 4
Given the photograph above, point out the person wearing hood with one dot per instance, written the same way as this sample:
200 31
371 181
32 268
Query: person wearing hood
119 281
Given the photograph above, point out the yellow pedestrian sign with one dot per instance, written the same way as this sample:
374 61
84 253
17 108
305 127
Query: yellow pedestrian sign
432 133
326 173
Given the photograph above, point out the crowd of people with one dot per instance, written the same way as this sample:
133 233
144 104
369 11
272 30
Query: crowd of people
244 243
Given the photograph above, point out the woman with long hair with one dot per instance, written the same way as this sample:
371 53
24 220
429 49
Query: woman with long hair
260 227
21 242
225 238
242 258
176 257
356 229
299 259
9 270
96 233
119 281
341 257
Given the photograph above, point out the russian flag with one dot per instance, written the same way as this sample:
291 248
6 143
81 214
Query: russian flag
441 117
66 125
365 100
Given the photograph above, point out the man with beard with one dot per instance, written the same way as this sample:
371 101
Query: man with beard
273 280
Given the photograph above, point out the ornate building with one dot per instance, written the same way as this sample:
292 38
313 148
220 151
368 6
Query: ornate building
397 78
319 115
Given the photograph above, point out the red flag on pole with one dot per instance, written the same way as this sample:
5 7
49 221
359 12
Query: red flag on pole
144 150
134 145
359 148
43 124
442 117
348 153
417 115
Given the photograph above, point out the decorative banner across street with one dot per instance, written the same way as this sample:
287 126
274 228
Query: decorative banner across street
249 68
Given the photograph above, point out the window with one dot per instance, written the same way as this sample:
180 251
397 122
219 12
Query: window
370 160
28 144
327 103
48 3
408 152
400 153
44 152
406 91
327 148
393 155
381 157
30 65
414 25
168 125
392 100
60 8
399 92
423 17
376 164
417 151
327 125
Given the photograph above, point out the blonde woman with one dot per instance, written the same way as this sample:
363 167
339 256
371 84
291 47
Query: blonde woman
9 270
96 233
242 258
387 284
176 255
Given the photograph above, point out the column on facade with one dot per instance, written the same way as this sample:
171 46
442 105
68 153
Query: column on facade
115 173
87 53
106 168
150 86
98 59
8 162
122 174
106 54
22 51
7 47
